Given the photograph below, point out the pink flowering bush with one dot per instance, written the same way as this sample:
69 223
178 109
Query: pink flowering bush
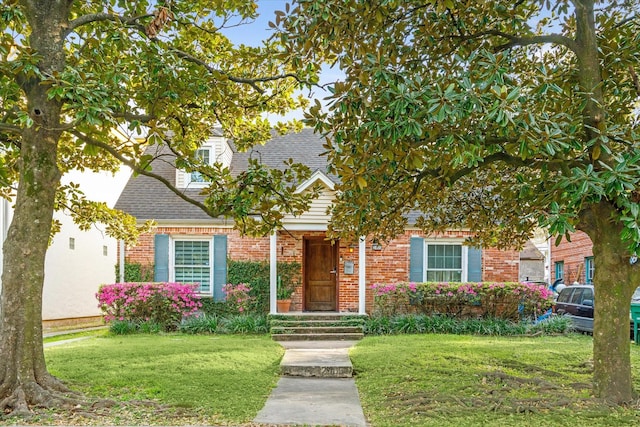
161 303
507 300
237 297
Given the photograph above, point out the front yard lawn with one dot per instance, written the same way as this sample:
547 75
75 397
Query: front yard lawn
169 379
462 380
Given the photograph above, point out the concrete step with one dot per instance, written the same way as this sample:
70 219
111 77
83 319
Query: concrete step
316 323
316 329
328 316
320 363
318 337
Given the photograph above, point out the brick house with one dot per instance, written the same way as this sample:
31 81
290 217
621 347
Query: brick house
189 246
573 261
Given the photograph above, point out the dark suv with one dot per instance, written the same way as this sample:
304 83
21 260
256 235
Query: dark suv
576 301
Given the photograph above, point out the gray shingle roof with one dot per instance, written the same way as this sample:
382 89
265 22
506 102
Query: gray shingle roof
147 198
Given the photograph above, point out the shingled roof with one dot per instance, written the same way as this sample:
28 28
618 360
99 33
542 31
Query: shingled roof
147 198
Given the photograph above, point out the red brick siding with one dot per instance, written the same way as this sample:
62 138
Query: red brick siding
388 265
573 254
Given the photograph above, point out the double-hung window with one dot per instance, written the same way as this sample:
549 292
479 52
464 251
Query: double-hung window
443 260
192 263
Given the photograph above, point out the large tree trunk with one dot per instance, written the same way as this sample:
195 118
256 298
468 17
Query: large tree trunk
615 279
24 380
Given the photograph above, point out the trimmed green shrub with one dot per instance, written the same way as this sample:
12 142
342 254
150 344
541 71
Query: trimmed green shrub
136 272
437 324
256 275
510 300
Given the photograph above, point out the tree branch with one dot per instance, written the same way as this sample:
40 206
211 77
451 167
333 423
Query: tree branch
103 17
253 82
514 41
10 128
525 41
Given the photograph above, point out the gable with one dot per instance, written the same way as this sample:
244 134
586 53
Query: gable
317 217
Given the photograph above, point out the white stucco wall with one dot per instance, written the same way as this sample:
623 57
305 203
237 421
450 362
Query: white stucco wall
72 276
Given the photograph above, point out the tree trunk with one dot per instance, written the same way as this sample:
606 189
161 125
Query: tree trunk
614 282
24 380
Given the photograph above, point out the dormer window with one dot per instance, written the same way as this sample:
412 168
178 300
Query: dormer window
204 155
214 150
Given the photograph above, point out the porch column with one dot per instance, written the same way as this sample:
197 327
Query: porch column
362 275
121 261
273 272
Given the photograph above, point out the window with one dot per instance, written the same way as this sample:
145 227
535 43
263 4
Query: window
105 250
444 260
72 243
444 263
204 155
560 270
589 269
192 263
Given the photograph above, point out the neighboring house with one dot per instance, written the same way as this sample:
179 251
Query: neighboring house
532 264
573 261
189 246
77 261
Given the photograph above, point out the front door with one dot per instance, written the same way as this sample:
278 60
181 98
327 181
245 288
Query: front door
320 262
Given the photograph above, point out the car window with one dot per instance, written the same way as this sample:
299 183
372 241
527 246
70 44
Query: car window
576 298
587 294
565 295
636 295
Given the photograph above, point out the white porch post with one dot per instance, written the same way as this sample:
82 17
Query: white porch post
121 261
273 272
362 275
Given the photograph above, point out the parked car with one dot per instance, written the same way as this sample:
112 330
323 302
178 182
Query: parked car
576 301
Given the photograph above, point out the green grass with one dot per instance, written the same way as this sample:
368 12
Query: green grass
451 380
200 379
63 337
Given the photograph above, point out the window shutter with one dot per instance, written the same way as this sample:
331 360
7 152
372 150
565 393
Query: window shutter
219 265
161 258
474 265
416 259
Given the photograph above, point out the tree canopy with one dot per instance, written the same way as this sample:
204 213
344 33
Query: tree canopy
494 116
90 85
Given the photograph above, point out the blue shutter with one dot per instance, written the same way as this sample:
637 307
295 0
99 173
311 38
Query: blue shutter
416 259
161 258
219 265
474 265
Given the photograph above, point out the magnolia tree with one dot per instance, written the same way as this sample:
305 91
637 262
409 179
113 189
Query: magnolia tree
91 85
495 116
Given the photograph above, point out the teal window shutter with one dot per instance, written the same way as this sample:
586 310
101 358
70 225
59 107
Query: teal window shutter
161 258
474 265
219 265
416 259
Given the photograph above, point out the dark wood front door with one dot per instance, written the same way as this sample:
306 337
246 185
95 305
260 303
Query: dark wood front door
320 267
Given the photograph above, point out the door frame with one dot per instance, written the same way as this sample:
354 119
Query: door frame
335 245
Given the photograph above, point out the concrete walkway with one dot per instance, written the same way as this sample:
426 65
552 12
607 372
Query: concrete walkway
316 388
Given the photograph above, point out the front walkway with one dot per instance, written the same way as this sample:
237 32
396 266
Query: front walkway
309 399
